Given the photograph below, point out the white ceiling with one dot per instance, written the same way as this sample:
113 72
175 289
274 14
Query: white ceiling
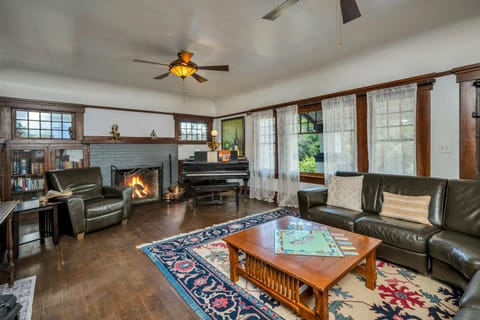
98 39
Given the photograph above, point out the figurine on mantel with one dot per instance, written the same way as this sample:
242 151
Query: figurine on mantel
115 134
153 135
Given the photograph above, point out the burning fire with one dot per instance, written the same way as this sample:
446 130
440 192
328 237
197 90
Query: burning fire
140 189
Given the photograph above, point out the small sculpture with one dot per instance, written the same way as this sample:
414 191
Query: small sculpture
153 135
115 134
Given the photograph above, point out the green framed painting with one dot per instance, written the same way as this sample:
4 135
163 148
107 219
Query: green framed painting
233 135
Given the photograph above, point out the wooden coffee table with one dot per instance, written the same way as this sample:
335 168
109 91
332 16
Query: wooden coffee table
282 275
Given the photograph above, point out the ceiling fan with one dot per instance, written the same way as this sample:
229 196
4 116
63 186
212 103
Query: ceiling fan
349 9
184 67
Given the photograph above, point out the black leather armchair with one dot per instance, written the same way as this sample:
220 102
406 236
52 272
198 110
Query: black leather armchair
92 205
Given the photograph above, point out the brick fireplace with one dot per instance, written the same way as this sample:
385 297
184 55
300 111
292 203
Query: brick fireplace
146 182
129 156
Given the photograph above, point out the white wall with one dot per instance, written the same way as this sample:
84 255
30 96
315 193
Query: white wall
98 122
42 86
445 129
438 50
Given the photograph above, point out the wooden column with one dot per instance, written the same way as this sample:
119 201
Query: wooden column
423 128
467 76
362 138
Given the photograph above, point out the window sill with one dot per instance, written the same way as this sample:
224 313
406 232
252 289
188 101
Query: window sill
317 178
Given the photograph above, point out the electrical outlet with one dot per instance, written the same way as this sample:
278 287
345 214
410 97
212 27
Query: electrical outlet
444 148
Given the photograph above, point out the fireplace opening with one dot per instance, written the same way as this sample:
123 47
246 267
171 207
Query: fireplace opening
146 182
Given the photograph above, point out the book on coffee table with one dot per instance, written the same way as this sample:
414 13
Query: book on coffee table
306 242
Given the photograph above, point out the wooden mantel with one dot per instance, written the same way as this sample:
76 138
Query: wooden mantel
127 140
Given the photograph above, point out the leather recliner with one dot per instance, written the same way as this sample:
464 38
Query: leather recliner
92 206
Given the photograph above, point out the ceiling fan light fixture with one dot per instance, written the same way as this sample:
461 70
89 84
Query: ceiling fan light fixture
182 69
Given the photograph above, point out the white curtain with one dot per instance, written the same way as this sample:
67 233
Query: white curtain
288 169
391 125
339 134
262 166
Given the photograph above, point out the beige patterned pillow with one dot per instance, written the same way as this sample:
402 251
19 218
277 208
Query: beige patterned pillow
410 208
345 192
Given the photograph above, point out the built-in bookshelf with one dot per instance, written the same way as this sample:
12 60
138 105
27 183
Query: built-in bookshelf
69 158
27 168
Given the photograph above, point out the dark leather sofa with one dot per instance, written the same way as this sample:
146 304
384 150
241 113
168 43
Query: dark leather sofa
92 205
448 250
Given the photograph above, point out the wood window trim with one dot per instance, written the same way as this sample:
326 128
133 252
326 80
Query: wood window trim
469 89
191 118
8 112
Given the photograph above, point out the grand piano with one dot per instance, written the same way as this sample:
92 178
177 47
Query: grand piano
202 172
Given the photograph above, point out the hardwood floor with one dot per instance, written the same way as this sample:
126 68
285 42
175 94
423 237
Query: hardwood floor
105 277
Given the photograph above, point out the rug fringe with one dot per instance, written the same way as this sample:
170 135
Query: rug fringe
206 228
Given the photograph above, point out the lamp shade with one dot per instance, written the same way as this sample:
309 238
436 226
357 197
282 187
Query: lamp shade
182 69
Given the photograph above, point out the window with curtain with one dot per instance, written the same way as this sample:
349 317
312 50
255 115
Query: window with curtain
262 166
339 134
391 123
310 142
288 171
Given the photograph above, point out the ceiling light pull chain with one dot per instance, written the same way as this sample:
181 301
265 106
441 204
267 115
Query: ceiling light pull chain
184 92
339 27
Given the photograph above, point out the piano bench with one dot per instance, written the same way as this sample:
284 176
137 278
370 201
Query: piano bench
214 189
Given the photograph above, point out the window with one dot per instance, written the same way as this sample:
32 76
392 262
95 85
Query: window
310 145
262 166
43 125
339 134
193 129
310 142
392 130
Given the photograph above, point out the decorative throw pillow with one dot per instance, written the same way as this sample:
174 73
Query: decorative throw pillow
345 192
410 208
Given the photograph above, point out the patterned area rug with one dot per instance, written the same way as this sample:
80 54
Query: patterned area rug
23 289
197 265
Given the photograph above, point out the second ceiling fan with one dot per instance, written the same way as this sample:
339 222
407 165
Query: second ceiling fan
349 9
184 67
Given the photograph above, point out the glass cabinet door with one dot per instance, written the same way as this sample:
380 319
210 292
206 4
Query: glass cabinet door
69 158
27 168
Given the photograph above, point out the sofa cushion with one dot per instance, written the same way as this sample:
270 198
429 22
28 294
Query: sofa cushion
460 251
370 189
398 233
471 295
409 208
462 209
334 216
345 192
415 186
99 207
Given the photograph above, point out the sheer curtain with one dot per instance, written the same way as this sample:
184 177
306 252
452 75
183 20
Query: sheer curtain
262 166
288 169
391 125
339 134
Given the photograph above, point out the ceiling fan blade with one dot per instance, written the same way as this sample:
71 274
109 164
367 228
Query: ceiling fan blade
150 62
160 77
185 56
199 78
214 68
275 13
350 10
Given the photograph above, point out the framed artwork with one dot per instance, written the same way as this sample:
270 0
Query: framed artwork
233 135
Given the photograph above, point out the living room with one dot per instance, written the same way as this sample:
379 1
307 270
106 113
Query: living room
81 57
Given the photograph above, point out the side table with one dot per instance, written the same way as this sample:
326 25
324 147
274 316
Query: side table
47 221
